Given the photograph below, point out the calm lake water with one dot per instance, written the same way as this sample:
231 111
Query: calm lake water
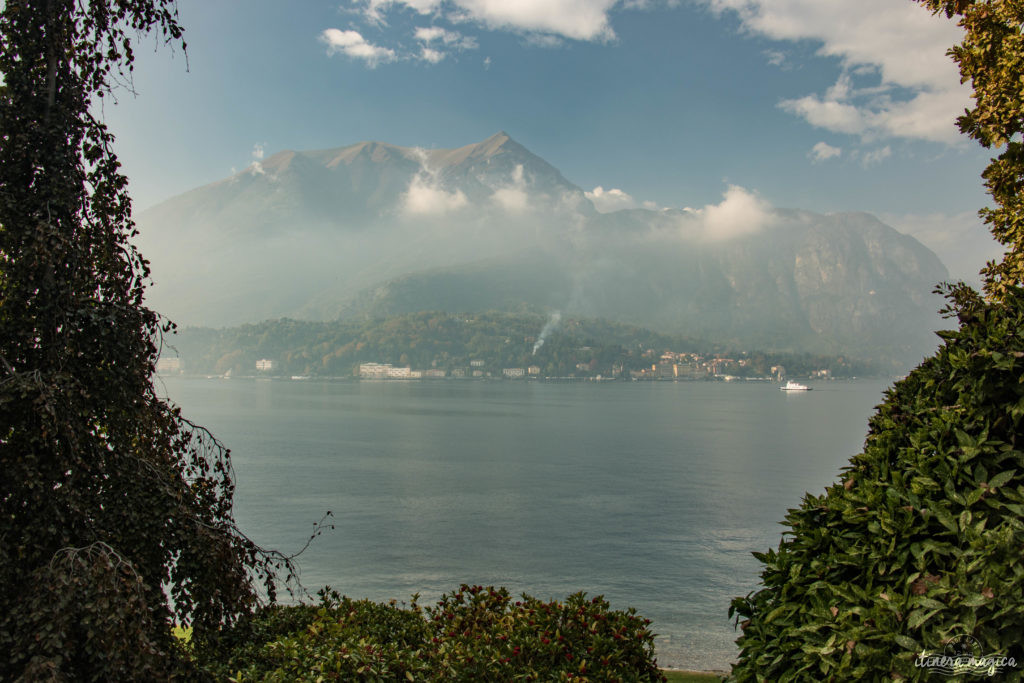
652 494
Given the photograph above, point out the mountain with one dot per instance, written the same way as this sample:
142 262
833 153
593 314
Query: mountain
373 229
358 186
266 240
845 282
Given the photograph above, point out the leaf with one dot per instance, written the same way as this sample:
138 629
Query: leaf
929 603
965 520
975 495
906 642
975 600
945 518
1001 479
920 616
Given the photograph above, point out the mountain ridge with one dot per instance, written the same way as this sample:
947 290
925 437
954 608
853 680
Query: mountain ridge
371 227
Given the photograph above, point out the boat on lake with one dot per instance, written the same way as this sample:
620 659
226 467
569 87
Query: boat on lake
794 386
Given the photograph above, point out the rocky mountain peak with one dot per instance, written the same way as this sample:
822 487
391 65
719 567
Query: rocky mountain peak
374 229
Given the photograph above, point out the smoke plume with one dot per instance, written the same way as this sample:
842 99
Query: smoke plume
548 328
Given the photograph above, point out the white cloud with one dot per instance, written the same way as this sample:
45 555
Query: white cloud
257 150
823 152
545 40
961 241
352 44
740 212
433 37
426 196
832 115
573 19
903 44
542 23
432 34
775 57
429 34
513 197
609 200
487 63
426 199
429 54
374 10
256 168
876 156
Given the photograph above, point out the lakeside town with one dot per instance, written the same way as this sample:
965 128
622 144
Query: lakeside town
664 366
488 346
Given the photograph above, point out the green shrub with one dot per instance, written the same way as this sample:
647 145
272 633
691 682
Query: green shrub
921 539
473 633
480 633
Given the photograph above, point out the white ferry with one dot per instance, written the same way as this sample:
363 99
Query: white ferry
794 386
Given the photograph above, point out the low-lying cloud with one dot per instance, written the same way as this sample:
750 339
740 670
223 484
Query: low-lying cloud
256 167
612 199
424 198
427 197
741 212
513 197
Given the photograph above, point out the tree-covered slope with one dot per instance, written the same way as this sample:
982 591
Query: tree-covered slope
435 340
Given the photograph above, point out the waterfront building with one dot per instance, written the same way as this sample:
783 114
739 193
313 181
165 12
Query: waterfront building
169 366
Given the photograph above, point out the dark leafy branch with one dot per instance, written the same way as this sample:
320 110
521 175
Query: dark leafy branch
915 551
115 511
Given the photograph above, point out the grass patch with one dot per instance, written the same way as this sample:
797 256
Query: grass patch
689 677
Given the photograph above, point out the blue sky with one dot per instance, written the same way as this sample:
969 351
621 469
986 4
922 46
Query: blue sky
825 105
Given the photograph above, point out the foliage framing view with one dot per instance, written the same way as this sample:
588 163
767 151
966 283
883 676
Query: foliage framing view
917 547
116 515
115 512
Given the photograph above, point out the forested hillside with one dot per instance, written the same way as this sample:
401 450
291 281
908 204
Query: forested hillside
434 340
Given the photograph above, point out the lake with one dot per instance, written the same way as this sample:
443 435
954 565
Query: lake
653 494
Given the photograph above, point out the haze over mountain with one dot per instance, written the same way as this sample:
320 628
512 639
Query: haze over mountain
374 229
